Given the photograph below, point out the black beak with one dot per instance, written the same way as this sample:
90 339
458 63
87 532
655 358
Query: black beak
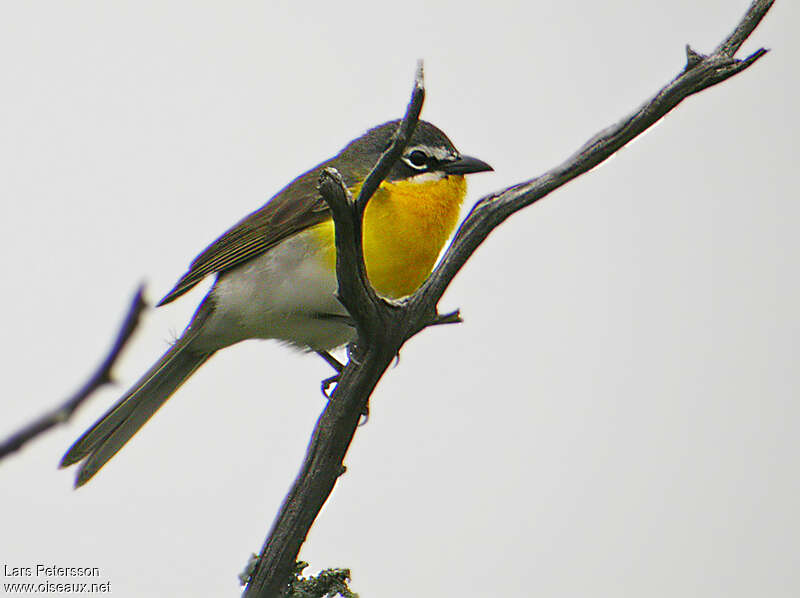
465 165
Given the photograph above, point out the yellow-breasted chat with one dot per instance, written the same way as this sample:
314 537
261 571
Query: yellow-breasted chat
276 270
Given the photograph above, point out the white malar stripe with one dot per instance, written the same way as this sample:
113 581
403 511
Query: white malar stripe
425 177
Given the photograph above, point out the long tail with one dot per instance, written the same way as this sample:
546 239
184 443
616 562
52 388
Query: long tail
110 433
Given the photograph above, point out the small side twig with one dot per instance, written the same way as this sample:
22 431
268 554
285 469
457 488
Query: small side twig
100 377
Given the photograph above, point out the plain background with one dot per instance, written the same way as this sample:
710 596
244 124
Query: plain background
618 414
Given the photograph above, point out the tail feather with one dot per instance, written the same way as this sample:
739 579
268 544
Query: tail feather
110 433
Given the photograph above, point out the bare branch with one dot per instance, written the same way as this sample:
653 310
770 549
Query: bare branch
101 377
324 460
758 9
454 317
384 326
700 73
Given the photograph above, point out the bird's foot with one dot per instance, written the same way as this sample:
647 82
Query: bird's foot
336 365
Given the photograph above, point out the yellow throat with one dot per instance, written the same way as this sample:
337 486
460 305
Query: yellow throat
406 224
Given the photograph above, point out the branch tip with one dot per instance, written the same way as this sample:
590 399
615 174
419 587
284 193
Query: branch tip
101 376
692 58
398 143
754 56
333 189
755 12
453 317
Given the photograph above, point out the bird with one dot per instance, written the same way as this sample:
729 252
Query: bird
276 270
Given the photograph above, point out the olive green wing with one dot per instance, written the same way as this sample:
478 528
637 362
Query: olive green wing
293 209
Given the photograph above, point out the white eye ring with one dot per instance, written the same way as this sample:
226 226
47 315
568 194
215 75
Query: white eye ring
417 159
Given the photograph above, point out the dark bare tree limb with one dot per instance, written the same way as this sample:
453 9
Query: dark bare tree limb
700 73
757 11
101 377
336 426
384 326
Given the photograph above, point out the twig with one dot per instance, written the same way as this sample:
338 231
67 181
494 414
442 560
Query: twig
101 376
700 73
398 143
383 326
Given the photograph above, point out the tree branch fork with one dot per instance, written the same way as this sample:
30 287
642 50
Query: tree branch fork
383 325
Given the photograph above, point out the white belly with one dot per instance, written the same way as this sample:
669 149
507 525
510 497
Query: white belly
283 294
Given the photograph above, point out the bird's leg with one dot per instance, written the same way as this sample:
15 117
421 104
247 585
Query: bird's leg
332 361
339 367
336 365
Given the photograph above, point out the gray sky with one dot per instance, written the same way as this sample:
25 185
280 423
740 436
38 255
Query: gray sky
617 416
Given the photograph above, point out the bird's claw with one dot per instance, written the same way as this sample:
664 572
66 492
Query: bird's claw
326 384
364 415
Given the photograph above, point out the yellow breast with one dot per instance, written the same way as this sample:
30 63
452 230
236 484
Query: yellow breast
406 225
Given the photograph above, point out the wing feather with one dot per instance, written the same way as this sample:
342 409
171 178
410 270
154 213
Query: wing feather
295 208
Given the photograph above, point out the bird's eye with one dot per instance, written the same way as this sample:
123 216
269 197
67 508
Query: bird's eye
418 158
